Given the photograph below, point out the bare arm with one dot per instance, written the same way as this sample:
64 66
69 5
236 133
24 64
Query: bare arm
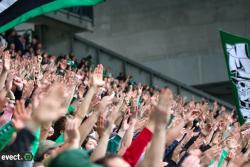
87 126
6 68
96 80
72 141
84 106
127 139
173 132
154 155
210 136
101 148
69 99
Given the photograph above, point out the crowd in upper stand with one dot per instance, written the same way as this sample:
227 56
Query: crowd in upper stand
67 113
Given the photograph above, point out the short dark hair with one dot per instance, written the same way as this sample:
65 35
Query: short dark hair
59 126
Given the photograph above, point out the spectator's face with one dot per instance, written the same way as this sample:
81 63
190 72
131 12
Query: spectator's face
34 41
13 33
38 52
31 50
52 59
117 162
63 64
19 53
91 144
39 46
23 40
12 46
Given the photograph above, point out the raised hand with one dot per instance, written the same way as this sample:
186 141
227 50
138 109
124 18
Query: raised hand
126 124
188 117
101 106
2 49
18 82
39 59
140 124
215 106
6 61
114 115
51 106
209 154
116 110
192 160
100 125
139 90
163 108
72 132
238 160
97 76
21 115
8 83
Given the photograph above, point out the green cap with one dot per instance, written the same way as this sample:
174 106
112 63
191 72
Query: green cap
74 158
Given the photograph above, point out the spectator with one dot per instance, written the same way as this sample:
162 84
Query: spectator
67 114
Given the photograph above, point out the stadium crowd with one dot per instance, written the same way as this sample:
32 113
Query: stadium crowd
69 114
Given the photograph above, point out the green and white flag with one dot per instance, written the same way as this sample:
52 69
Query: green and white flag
236 51
14 12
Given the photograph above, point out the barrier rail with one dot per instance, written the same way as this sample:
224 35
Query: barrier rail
82 12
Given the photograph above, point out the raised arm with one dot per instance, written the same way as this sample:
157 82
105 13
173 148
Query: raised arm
96 80
89 123
72 138
128 136
8 87
174 131
136 148
101 148
177 127
154 155
6 68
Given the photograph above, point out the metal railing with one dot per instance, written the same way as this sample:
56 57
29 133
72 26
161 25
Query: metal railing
141 73
84 13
